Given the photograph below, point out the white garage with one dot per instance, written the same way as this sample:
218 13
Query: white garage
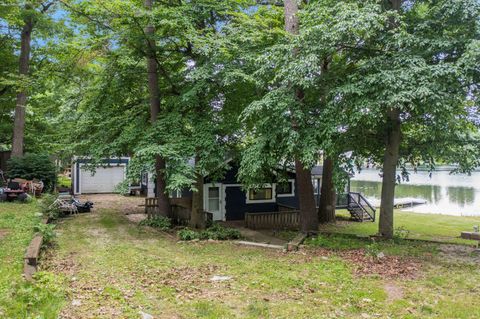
103 180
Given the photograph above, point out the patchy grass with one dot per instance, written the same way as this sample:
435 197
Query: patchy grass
104 266
19 299
117 269
430 227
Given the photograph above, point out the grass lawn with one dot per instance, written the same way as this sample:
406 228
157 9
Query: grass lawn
19 299
109 267
431 227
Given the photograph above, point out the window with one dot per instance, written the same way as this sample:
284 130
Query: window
317 184
286 189
260 194
213 199
265 194
176 194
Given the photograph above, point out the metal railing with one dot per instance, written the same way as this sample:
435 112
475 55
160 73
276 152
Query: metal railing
359 200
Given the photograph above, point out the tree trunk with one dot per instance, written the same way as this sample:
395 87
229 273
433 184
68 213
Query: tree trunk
390 161
328 194
21 104
306 198
164 208
197 217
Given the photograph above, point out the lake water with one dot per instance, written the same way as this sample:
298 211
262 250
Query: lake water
445 194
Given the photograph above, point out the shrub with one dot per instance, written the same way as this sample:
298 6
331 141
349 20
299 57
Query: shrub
63 181
188 234
46 208
33 166
161 222
401 233
47 231
122 188
216 232
373 250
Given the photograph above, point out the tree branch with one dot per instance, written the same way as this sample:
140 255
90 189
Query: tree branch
45 7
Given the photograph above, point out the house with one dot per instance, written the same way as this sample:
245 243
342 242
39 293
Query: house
227 200
102 178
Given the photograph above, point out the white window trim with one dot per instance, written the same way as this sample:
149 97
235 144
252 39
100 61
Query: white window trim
260 201
318 180
175 193
292 194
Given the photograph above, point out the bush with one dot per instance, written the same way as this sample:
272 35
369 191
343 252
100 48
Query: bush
400 233
373 250
122 188
46 208
216 232
188 234
161 222
63 181
33 166
47 231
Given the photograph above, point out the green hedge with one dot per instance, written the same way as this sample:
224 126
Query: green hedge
33 166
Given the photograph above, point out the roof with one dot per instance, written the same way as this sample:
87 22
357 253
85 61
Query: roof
317 170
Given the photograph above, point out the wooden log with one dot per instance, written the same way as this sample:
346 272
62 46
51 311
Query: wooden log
29 271
251 243
295 243
470 235
33 250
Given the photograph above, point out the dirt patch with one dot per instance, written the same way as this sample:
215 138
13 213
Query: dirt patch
258 236
136 218
387 267
391 267
66 266
393 291
4 233
122 204
459 253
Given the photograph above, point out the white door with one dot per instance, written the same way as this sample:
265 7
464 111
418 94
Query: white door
213 200
103 180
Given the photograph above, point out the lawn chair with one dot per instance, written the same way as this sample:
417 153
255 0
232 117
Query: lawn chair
65 204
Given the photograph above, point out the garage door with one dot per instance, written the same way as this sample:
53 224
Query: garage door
103 181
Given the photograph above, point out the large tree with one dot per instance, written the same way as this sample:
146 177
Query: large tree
410 97
308 212
29 14
291 120
155 108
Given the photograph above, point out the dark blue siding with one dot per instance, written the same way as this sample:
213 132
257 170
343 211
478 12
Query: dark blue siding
291 201
230 176
236 204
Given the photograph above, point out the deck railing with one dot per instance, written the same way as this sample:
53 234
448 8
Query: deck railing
273 220
181 209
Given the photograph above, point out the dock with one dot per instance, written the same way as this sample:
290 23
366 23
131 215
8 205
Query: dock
408 202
